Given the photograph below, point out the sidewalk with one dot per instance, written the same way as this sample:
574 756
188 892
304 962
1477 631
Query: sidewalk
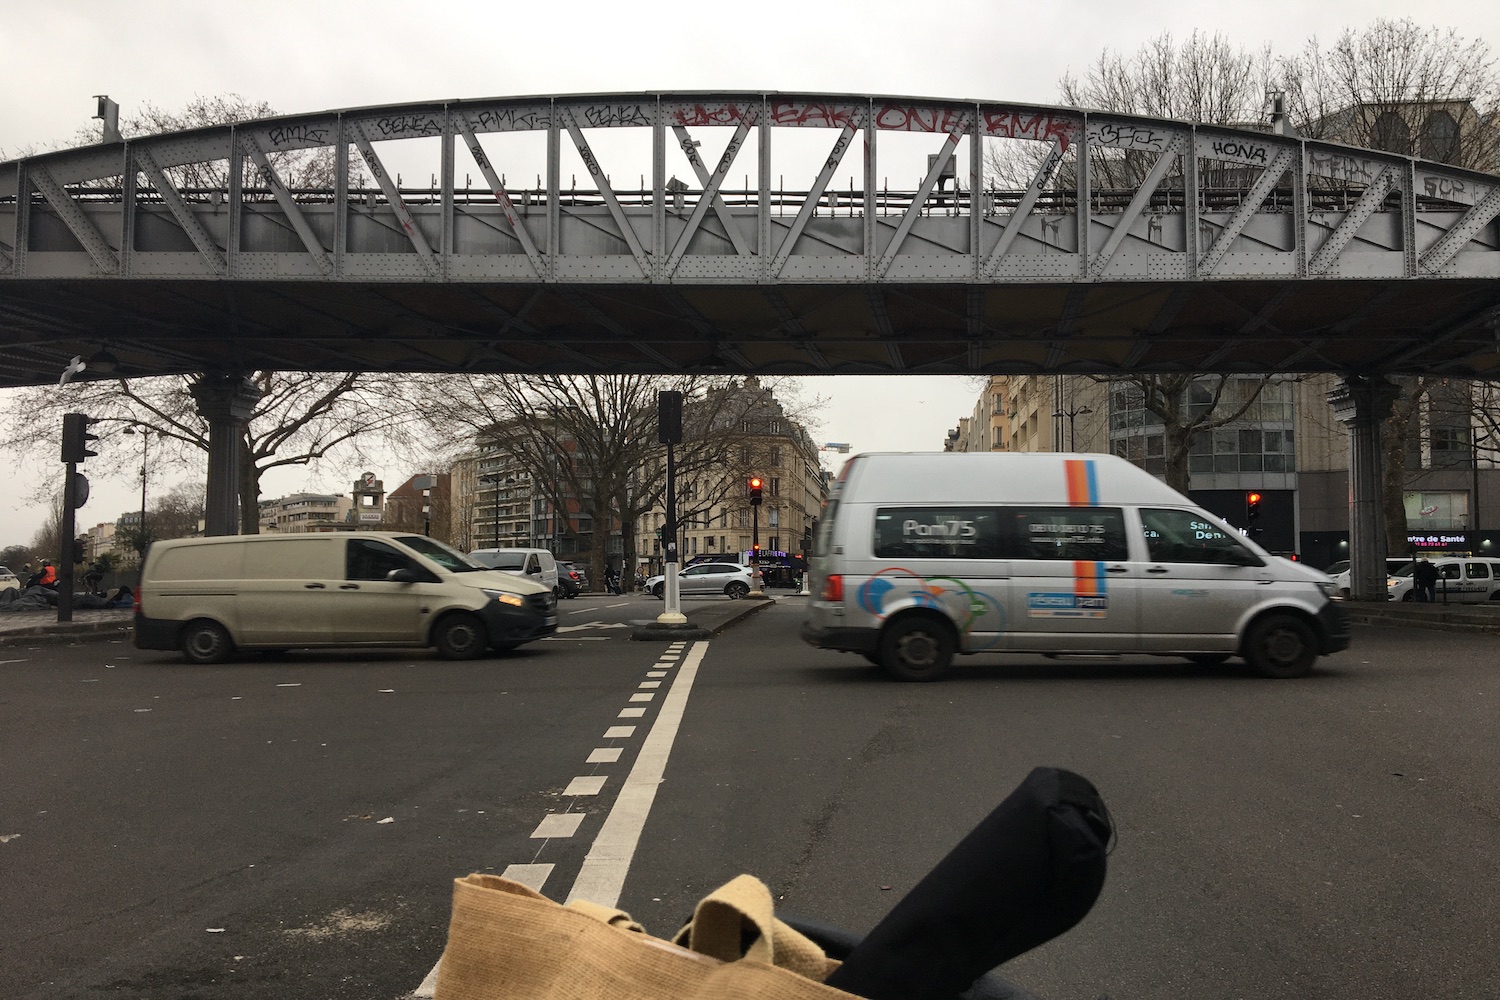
1447 617
29 628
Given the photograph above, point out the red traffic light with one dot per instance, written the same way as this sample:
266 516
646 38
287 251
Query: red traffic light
755 482
755 490
1252 498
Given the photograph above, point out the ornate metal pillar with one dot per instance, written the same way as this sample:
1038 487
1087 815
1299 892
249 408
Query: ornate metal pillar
226 402
1362 402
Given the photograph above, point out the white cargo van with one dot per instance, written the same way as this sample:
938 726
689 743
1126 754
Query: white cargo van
207 596
1460 580
920 556
537 565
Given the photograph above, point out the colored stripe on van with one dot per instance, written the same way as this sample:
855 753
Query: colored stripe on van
1082 481
1089 578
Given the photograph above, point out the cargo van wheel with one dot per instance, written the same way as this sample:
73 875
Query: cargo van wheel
1281 646
205 641
460 637
916 648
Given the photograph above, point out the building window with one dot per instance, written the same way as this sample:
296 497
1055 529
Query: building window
1440 138
1391 133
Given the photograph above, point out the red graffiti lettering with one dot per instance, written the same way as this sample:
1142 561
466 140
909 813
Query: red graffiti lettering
816 115
896 118
1044 128
721 114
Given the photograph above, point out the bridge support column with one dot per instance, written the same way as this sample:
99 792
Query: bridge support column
1362 402
226 402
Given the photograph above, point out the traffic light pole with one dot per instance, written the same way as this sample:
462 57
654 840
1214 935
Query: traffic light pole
66 544
671 595
756 589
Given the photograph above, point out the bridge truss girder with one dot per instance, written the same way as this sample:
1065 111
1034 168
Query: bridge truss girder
1324 257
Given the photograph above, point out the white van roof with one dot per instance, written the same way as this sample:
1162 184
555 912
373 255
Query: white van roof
944 477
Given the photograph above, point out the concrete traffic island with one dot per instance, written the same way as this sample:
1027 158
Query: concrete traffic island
703 622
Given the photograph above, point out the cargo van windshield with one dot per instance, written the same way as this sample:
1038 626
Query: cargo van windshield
450 559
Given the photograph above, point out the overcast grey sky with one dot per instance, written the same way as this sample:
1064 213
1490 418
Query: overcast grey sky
311 55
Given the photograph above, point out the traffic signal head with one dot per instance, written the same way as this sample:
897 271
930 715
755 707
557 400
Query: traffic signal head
76 437
1252 505
755 491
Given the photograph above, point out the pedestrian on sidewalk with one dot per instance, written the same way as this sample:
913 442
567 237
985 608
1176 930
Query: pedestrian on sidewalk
1424 577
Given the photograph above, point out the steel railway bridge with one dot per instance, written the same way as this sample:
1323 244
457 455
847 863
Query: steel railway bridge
1224 250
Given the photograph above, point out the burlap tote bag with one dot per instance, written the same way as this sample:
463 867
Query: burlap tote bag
506 940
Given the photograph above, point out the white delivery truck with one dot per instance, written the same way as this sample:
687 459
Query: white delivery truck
209 596
919 556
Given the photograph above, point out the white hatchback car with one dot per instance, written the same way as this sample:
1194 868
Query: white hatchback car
1339 571
8 580
707 578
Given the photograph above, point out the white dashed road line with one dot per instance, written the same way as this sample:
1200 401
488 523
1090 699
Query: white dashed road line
602 877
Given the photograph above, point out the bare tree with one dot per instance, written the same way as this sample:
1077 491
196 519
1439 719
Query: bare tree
1395 85
589 442
300 418
1189 405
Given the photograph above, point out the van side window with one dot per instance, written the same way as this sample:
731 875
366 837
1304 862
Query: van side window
1477 571
936 532
367 559
1448 571
1088 533
1181 536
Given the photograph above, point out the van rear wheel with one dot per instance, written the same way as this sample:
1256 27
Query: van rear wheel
917 648
460 637
1281 646
205 641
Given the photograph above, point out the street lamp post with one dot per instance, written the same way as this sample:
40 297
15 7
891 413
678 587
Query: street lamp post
1072 432
140 529
494 480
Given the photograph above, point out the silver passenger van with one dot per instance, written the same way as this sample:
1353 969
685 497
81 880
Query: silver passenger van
209 596
919 556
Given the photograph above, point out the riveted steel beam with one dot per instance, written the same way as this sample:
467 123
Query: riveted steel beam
1369 201
289 206
706 199
512 217
430 261
591 162
180 211
1441 253
78 223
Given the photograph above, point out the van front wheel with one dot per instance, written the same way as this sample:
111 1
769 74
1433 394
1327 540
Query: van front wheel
460 637
205 641
1281 646
917 648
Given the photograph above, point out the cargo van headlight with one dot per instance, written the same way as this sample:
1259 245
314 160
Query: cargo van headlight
513 600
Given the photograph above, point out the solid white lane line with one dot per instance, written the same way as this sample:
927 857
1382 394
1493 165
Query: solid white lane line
602 877
604 755
587 784
619 732
631 713
557 825
642 697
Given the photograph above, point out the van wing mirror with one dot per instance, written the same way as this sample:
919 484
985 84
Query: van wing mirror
401 576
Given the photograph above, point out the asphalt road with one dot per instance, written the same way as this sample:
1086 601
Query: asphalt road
169 831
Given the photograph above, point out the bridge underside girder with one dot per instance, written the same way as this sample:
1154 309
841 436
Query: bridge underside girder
161 327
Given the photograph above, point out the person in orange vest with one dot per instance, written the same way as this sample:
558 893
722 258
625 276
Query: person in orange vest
48 575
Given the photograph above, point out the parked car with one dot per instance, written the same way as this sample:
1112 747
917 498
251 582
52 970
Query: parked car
573 578
1461 580
1339 571
706 578
9 580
